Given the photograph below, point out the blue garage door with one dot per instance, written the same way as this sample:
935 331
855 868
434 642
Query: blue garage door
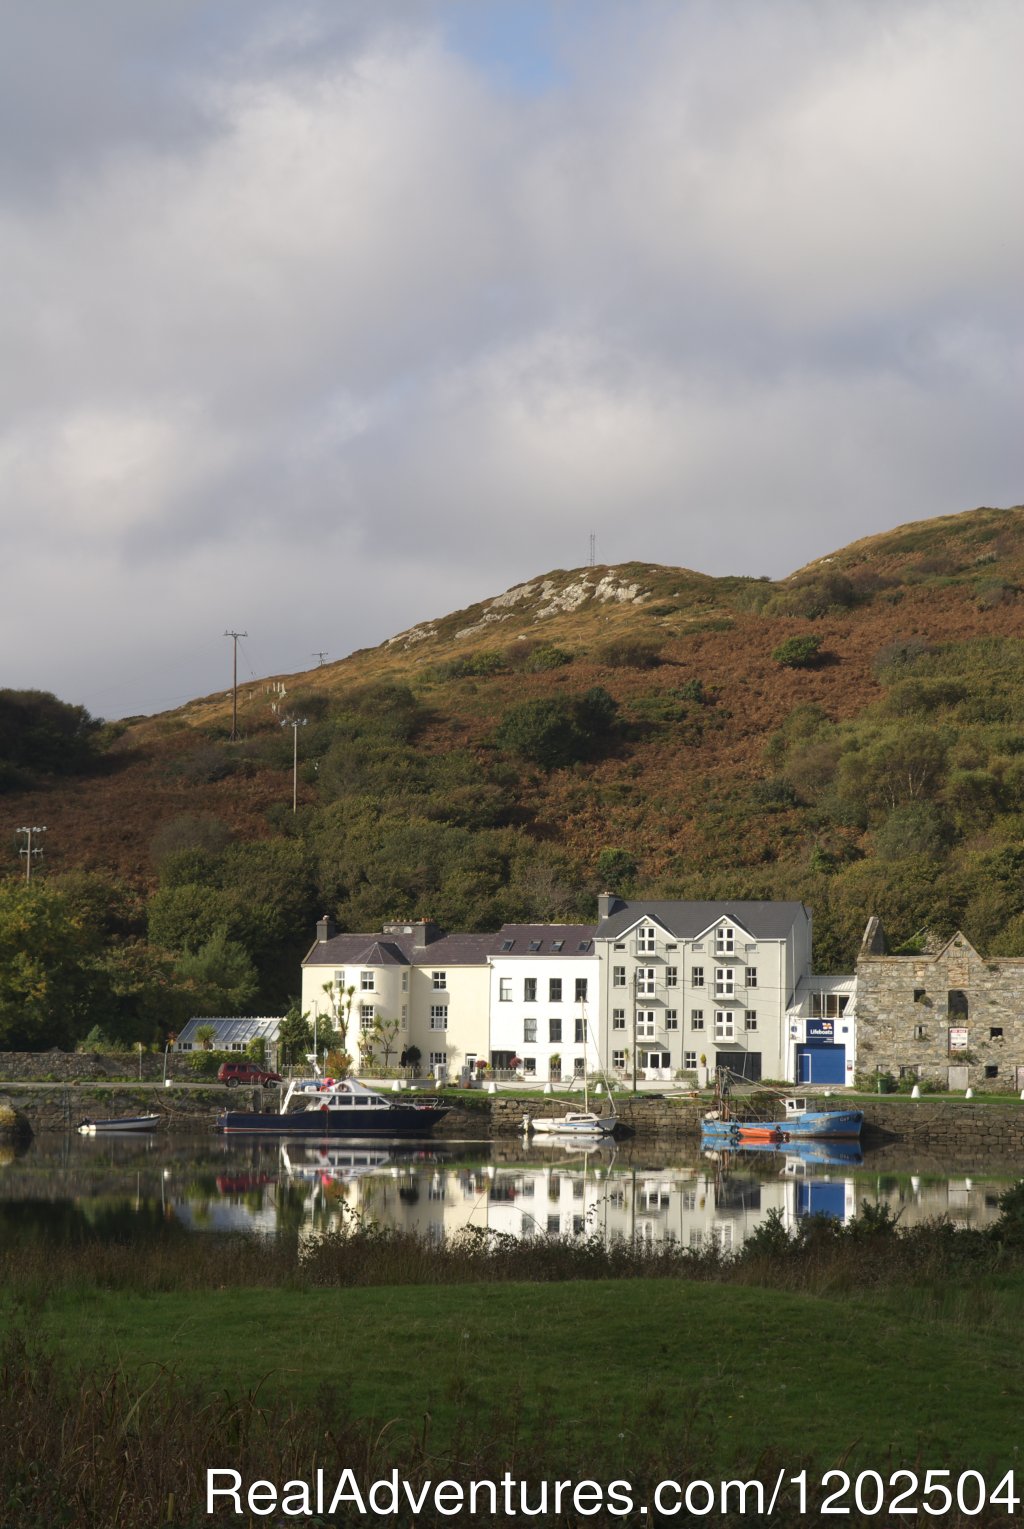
821 1064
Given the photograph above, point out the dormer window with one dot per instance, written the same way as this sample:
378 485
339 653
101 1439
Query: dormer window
725 940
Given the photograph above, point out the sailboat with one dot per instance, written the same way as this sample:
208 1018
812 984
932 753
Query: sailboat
577 1123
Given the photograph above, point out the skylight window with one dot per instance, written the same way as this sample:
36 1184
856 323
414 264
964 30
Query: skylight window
535 945
584 945
557 944
507 944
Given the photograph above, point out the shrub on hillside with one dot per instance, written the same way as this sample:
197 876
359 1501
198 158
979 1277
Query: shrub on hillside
629 653
798 653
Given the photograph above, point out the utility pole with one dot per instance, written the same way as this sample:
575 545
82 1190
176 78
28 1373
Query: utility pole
320 657
593 549
28 851
294 723
234 684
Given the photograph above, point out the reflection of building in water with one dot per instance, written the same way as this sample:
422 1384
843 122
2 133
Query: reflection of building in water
582 1194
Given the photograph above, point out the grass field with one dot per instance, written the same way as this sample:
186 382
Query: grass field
898 1376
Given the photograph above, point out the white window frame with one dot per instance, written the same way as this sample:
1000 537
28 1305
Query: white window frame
696 1019
689 1061
554 990
750 1019
643 1024
618 976
438 1016
504 989
367 1014
645 981
725 1025
555 1030
750 976
439 1059
725 982
367 982
530 1030
671 1019
697 976
725 940
439 981
529 997
618 1019
646 940
671 976
619 1060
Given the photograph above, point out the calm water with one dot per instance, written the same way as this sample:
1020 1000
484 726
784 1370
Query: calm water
124 1188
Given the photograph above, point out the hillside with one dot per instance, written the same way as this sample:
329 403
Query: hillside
423 787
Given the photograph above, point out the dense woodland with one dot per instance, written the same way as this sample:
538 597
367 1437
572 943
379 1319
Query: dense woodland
852 736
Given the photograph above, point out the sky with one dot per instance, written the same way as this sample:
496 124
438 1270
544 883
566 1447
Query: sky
329 317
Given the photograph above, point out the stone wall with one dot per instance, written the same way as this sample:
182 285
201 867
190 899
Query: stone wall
84 1066
907 1007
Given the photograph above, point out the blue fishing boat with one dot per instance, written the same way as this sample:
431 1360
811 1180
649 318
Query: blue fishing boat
798 1123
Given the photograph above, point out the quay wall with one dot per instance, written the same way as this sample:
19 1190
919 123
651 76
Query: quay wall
89 1066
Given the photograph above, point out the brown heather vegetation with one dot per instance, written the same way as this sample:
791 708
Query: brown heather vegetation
718 771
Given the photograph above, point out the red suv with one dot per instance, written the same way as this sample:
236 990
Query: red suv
234 1073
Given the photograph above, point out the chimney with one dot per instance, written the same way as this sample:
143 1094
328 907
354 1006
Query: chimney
607 904
423 931
326 929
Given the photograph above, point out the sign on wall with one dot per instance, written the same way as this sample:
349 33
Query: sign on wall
958 1038
821 1029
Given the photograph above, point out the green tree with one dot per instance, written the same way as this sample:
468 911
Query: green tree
52 990
219 976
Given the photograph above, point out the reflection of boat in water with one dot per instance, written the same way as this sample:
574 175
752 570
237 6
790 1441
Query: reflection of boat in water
242 1183
323 1163
345 1108
120 1123
822 1152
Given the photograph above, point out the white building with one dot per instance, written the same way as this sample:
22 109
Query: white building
427 988
544 1000
823 1031
686 985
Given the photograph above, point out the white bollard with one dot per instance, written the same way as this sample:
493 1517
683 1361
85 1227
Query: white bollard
599 1089
915 1092
969 1093
547 1089
396 1087
492 1088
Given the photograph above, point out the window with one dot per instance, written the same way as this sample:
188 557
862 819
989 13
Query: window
554 1029
995 1032
620 944
534 946
365 1017
697 976
583 945
367 982
529 990
690 1061
725 1029
832 1005
751 976
581 989
439 1059
438 1016
405 1016
618 1059
725 982
581 1030
530 1068
696 1019
956 1004
645 981
671 1019
504 989
618 1019
530 1030
671 976
657 1059
618 976
579 1067
439 981
725 940
506 946
991 1072
557 945
645 1023
405 982
554 990
919 1033
750 1019
645 939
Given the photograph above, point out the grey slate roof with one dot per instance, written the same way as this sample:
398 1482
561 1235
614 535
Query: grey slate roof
762 920
399 950
544 936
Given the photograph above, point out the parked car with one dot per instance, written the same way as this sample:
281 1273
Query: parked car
234 1073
